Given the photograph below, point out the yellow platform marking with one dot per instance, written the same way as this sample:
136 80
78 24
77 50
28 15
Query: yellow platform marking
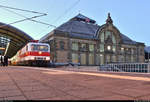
102 75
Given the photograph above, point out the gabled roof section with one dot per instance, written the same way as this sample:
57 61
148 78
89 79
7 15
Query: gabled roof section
80 27
127 40
83 18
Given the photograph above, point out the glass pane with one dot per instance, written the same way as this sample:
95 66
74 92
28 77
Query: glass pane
113 39
101 59
43 48
97 59
75 58
83 47
114 48
108 33
83 59
121 58
102 37
101 47
91 59
75 46
122 50
128 59
108 59
91 47
132 59
114 58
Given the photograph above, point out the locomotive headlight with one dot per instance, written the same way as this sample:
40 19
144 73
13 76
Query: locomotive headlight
40 52
47 58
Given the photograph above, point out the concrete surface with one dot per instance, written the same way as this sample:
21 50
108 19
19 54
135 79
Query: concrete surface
32 83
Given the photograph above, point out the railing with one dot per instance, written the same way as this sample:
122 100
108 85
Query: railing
126 67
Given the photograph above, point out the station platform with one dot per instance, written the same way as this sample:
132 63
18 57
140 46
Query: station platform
33 83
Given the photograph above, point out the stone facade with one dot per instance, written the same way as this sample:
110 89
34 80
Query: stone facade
82 41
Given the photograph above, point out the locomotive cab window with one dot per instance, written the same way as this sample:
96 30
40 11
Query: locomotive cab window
43 48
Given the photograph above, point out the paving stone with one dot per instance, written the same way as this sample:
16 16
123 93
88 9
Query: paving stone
146 97
25 83
113 97
8 87
10 93
15 98
63 98
36 95
37 85
131 92
34 88
85 94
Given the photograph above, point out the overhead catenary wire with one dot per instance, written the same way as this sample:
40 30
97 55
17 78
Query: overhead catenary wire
21 20
26 18
30 19
22 10
74 4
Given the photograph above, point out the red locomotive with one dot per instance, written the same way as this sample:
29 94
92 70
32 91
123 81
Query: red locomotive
33 54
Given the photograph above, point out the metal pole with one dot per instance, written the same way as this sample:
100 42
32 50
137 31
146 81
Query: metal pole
148 57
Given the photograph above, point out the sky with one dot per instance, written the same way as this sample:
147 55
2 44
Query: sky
131 17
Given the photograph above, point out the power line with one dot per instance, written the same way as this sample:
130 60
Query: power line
30 19
67 11
26 18
21 20
22 10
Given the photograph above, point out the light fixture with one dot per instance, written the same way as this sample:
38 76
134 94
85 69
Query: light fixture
109 48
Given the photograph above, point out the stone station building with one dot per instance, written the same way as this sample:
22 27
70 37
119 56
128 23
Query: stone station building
81 40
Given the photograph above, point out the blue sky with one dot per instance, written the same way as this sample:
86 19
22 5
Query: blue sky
131 17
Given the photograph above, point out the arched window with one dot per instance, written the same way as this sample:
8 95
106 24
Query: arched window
102 37
107 35
114 39
108 46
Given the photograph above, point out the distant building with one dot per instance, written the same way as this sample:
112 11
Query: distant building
147 54
81 40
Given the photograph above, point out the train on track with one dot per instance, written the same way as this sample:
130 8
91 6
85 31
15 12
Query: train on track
32 54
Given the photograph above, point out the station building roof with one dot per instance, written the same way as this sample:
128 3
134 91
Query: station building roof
12 39
80 28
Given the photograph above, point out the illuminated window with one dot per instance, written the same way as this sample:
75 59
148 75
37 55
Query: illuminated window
91 59
75 46
101 59
101 47
83 47
91 47
122 50
114 48
83 59
75 58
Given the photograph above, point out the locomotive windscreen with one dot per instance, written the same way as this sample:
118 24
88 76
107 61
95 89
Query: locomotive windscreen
43 48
